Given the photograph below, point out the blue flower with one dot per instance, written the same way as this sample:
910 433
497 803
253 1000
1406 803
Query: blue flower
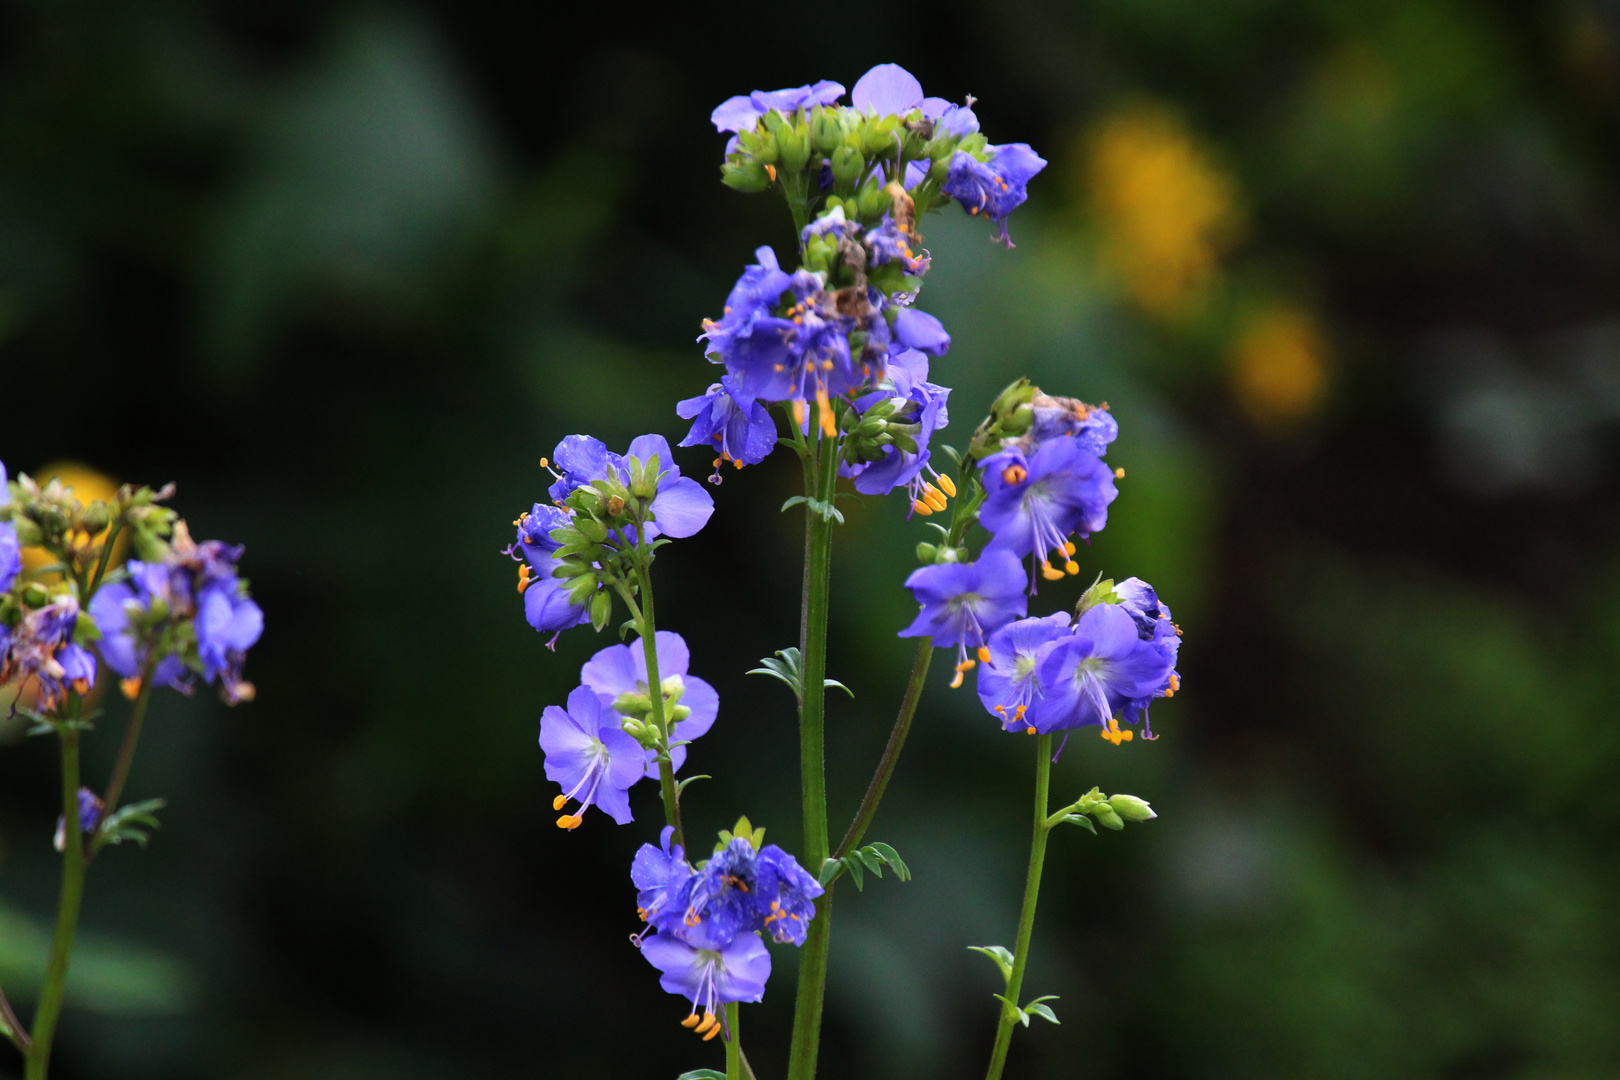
659 874
890 243
908 376
784 893
1092 426
720 900
589 757
710 978
91 810
679 508
583 460
742 113
889 89
10 550
41 648
994 188
618 675
1008 682
112 608
546 602
1033 503
228 623
1096 672
1152 620
964 603
919 330
743 436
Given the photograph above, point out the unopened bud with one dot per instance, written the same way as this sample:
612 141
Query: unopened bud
847 167
1131 808
35 597
615 506
926 553
1106 817
873 200
96 517
601 609
747 175
826 129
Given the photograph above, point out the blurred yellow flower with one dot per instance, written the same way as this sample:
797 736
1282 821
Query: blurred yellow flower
1280 365
1165 210
88 485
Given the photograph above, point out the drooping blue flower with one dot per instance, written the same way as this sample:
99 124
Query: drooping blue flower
10 550
742 113
659 874
908 379
1034 503
964 603
743 436
784 893
91 811
994 188
1009 684
710 978
679 508
583 459
1092 426
618 674
590 757
890 243
41 649
1151 617
112 609
1091 676
228 624
546 601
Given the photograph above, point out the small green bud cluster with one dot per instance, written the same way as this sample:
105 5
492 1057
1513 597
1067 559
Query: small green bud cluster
1101 592
884 424
50 517
1011 416
591 552
1110 811
637 710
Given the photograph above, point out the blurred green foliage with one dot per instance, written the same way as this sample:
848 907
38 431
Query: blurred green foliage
1346 275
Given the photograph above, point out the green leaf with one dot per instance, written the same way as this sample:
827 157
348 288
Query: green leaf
787 670
132 822
827 510
892 857
1003 959
702 1074
625 628
831 683
829 870
1023 1017
870 858
791 503
1037 1009
680 785
1083 821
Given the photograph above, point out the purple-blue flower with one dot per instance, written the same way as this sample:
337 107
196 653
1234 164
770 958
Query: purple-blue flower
994 188
1009 684
964 603
1091 676
710 978
589 756
1034 503
785 893
1092 426
908 376
41 648
546 602
742 113
743 436
659 874
890 243
618 674
228 623
91 810
1152 620
679 508
889 89
10 550
112 608
738 891
919 330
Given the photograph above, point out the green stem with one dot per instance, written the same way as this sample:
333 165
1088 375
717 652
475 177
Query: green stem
812 753
733 1043
106 554
126 751
1026 920
647 626
891 753
12 1027
67 908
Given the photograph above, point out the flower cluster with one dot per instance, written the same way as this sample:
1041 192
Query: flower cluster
704 923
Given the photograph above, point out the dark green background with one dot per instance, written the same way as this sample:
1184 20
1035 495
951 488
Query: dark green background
345 272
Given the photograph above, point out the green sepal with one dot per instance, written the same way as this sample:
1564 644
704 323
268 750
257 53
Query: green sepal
1082 821
1001 956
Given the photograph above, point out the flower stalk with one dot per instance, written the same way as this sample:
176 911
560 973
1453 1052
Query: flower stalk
68 904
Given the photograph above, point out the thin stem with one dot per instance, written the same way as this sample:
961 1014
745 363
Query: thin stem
106 555
891 753
1026 919
733 1043
812 751
648 628
126 751
67 908
13 1027
747 1069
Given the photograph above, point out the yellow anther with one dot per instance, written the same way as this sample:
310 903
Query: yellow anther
1175 684
947 484
936 500
1019 713
770 171
798 412
559 802
691 1021
1015 474
956 683
984 654
1002 709
829 423
568 821
1112 733
1050 574
1068 547
1030 731
524 579
545 463
716 463
712 1033
826 365
1119 474
709 1021
1071 567
922 508
967 665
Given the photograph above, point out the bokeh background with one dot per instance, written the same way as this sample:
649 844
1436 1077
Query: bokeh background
1347 273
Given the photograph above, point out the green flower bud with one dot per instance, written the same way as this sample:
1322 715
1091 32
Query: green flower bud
635 729
745 174
1106 817
1131 808
601 609
826 129
792 142
591 529
679 713
644 477
96 517
28 533
926 553
35 596
848 166
761 145
872 201
632 704
1102 592
877 135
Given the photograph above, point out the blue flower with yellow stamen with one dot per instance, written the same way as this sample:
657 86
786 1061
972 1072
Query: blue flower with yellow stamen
1034 503
659 873
994 188
588 755
710 978
1008 682
738 434
785 893
618 674
1152 619
743 112
1096 672
964 603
